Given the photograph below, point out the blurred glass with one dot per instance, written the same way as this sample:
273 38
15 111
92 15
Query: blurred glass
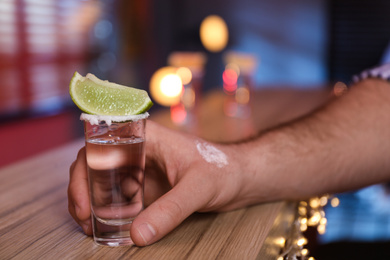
238 82
190 67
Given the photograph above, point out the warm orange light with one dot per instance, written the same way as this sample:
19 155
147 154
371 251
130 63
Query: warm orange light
185 75
166 86
280 241
214 33
171 85
321 229
302 241
314 203
335 202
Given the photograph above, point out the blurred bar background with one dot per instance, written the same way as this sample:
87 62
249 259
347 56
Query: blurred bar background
303 44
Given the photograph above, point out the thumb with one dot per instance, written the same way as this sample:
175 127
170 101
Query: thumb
166 213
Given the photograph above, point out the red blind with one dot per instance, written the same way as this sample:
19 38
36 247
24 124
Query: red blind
42 42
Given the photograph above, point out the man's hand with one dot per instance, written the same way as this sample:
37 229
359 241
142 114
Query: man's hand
181 177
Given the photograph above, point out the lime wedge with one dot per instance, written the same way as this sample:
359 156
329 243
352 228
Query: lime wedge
98 97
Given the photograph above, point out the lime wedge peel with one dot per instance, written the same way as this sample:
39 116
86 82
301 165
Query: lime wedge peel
98 97
96 119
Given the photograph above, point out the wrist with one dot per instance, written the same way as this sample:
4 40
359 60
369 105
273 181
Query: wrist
258 163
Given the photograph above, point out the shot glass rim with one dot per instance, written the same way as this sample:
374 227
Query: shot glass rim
95 119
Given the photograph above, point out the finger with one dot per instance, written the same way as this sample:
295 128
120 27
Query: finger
166 213
78 193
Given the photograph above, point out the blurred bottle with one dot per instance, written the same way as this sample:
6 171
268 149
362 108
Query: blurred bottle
190 67
238 83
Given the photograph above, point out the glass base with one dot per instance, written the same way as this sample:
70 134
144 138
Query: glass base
112 242
109 235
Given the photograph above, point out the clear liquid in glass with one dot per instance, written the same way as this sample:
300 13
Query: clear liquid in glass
116 181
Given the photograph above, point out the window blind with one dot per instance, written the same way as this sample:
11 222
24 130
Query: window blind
42 42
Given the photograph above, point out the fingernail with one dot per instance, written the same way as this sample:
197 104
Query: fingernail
147 232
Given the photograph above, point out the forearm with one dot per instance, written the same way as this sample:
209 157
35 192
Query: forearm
345 145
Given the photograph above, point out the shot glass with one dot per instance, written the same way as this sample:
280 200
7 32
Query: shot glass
115 151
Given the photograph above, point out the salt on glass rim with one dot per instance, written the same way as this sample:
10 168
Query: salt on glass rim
95 119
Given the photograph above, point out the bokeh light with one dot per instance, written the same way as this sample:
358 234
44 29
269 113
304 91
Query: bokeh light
166 86
188 98
185 75
321 229
335 202
302 241
171 85
340 89
242 95
178 114
280 241
229 78
214 33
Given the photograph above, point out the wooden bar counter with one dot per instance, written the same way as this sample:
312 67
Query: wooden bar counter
34 218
